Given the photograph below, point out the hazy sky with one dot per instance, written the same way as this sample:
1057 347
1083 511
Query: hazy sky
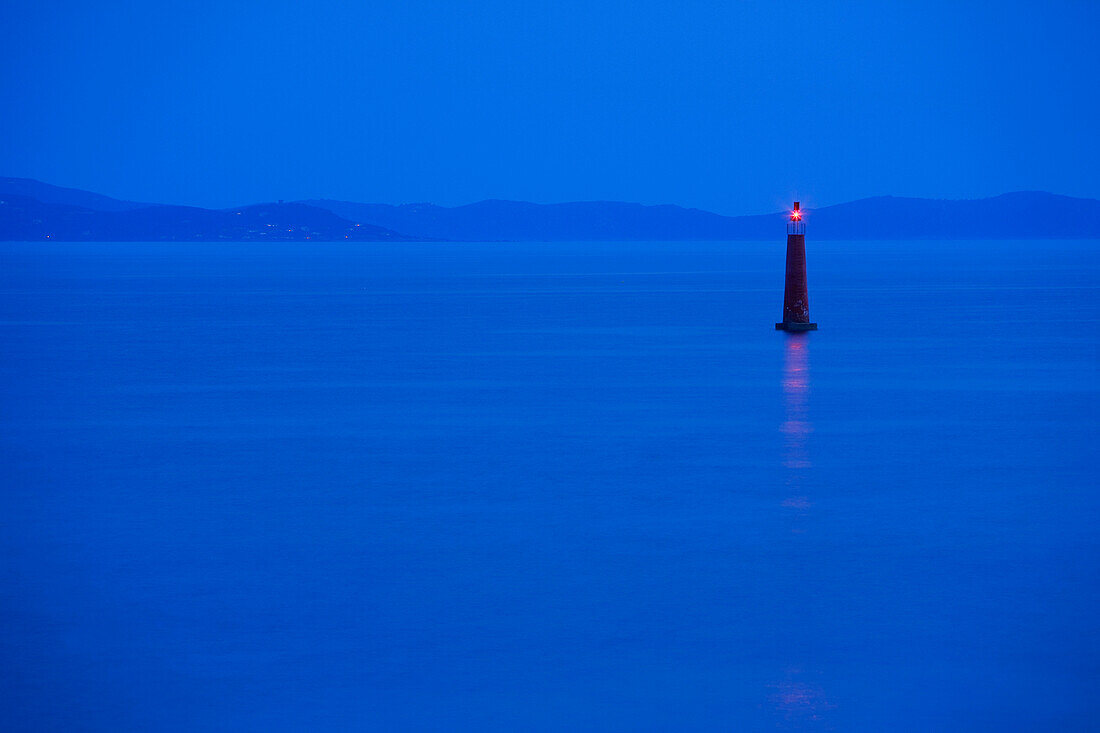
736 107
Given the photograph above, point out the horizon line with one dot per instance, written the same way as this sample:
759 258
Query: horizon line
538 203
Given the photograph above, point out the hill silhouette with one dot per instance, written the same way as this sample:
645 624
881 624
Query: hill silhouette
32 210
50 194
26 219
1023 215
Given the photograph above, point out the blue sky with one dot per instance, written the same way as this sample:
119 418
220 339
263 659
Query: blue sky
728 106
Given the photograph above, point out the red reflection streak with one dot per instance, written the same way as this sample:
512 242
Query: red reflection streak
796 389
799 703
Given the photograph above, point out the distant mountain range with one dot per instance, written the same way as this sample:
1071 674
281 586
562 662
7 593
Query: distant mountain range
1024 215
31 210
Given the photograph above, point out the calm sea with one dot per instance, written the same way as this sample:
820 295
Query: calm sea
548 487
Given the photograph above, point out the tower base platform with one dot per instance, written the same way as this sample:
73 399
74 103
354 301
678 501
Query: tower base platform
795 327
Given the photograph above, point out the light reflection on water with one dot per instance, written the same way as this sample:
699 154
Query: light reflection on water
796 701
799 704
796 426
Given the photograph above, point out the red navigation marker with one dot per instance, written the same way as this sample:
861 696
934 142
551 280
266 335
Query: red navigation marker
796 299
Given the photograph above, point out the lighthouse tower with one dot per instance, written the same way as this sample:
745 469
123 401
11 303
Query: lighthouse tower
796 301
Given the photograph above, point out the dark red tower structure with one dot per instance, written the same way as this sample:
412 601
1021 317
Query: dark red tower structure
796 300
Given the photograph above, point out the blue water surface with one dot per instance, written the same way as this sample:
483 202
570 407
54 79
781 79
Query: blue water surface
548 487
